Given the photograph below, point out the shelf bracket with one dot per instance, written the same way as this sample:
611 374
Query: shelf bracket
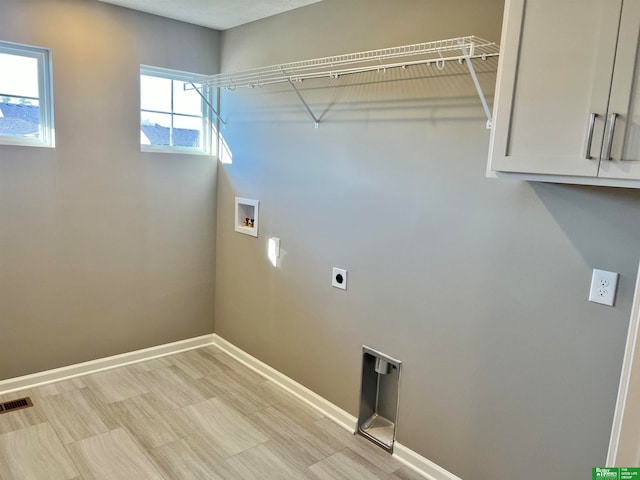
476 82
316 122
213 110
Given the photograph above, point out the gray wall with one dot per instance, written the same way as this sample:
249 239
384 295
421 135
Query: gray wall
479 286
103 249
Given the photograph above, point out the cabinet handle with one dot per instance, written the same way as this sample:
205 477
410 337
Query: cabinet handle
592 123
609 140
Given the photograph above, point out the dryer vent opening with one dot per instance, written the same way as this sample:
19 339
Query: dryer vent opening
379 398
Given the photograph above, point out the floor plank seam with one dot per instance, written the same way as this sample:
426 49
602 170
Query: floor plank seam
199 412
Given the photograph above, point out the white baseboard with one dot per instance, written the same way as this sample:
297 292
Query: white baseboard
408 457
93 366
404 455
421 465
328 409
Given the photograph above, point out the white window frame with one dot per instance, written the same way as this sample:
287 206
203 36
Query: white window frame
207 117
45 95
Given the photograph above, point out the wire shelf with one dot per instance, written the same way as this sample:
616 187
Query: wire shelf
437 52
462 49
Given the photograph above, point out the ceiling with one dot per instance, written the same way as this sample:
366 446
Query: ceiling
216 14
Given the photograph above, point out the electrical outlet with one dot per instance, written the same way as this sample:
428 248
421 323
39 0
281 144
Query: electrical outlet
339 279
603 287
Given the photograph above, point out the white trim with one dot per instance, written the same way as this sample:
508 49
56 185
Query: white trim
93 366
328 409
206 116
45 95
172 74
421 465
404 455
148 148
625 379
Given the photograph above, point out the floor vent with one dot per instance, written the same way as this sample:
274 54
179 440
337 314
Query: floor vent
13 405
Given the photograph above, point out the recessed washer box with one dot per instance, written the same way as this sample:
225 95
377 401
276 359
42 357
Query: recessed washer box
246 218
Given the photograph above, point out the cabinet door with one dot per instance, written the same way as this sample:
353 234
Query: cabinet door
624 158
555 71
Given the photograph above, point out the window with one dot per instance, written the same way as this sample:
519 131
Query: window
173 115
26 101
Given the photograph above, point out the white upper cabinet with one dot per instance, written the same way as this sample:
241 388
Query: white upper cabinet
623 161
566 106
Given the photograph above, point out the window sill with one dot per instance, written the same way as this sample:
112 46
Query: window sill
175 150
25 142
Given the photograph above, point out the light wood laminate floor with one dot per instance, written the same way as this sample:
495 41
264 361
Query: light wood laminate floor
194 415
